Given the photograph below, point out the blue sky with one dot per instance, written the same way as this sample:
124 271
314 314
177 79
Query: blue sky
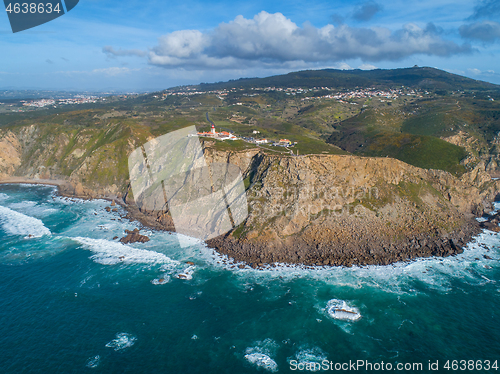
144 45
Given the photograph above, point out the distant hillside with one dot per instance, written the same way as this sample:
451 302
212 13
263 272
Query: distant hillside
423 77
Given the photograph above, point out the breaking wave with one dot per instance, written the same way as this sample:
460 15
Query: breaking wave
15 223
122 341
339 309
262 360
310 358
111 253
260 355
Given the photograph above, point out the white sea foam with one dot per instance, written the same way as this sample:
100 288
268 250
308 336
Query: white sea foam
436 272
3 196
309 358
162 280
23 205
339 309
33 209
122 341
93 362
16 223
262 360
187 273
110 253
260 354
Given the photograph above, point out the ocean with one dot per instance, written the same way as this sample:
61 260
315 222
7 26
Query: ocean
73 300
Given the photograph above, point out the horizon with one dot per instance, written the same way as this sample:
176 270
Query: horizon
136 46
153 90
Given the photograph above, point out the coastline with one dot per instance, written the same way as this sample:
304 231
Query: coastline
298 252
377 252
21 180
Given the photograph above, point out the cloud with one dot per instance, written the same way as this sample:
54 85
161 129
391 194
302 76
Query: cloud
342 66
111 52
367 67
486 9
486 31
475 71
272 40
113 71
366 11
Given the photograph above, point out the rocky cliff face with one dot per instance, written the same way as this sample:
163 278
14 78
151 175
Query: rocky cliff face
92 161
344 209
317 209
10 154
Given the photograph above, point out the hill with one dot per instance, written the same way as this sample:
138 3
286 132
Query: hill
423 77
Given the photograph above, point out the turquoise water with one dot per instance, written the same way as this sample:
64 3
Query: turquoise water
72 300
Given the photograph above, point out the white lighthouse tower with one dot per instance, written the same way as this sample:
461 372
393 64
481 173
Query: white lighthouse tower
213 129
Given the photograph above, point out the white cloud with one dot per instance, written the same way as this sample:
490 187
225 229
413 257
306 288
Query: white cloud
474 71
367 67
270 40
343 66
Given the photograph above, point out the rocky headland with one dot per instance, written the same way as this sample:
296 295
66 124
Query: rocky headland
313 209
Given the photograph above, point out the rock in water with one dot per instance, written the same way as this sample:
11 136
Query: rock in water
133 237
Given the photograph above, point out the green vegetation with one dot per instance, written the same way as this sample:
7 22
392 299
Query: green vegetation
411 126
425 77
422 151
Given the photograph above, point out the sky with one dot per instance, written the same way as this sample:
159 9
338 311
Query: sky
141 45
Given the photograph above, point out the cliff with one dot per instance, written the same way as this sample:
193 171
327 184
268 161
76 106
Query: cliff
316 209
344 210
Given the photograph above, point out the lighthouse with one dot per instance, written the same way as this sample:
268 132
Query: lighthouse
213 128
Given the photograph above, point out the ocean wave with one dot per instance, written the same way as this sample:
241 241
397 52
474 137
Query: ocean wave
111 253
3 196
122 341
33 208
263 361
260 354
339 309
309 358
187 273
15 223
93 362
163 280
435 272
23 205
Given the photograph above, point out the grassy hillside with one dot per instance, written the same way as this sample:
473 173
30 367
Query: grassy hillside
424 77
410 124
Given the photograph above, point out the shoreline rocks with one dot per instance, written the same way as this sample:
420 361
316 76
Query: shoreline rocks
376 252
332 210
134 237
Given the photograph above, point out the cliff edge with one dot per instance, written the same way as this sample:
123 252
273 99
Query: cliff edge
313 209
